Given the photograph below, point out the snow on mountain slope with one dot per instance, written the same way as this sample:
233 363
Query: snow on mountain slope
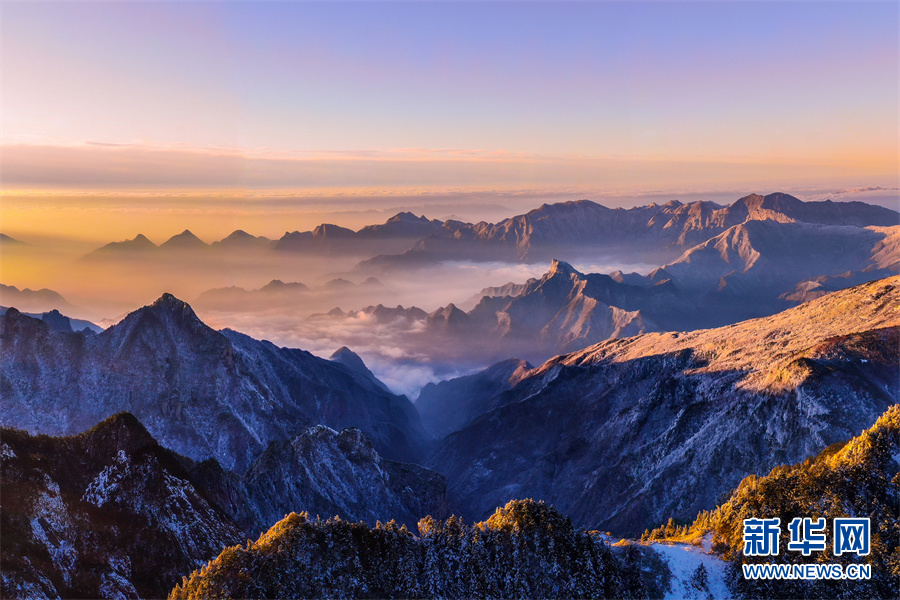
200 392
629 432
654 233
107 513
111 513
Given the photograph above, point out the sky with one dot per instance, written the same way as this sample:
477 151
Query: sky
339 99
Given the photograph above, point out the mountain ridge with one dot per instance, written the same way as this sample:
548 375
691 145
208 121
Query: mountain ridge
201 392
589 228
110 512
695 406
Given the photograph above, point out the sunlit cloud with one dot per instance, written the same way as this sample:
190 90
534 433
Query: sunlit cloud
104 166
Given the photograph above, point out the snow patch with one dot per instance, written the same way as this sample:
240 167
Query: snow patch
51 526
685 562
105 485
6 451
115 586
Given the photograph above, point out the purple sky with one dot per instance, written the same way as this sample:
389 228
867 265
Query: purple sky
591 96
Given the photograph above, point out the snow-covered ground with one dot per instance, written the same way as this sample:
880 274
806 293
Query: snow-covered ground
684 562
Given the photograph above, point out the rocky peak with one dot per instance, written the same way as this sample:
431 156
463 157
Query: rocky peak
449 318
352 443
122 431
781 201
141 239
407 216
561 269
14 323
57 320
184 241
169 303
750 200
327 230
449 312
349 358
241 239
169 317
239 234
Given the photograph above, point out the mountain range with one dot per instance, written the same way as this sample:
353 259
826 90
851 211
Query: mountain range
529 549
768 334
36 301
655 233
627 432
60 322
201 392
751 270
280 294
396 234
111 513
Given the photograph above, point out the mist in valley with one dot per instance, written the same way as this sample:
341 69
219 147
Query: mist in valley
412 321
285 298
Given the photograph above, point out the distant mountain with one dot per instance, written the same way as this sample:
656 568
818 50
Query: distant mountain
629 432
6 240
274 293
561 311
325 237
752 269
450 319
338 284
110 512
507 289
380 313
276 287
404 225
183 241
60 322
203 393
567 309
186 241
241 240
279 294
34 301
653 233
396 234
773 250
448 405
139 244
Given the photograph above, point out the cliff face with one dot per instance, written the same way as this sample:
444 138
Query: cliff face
103 514
627 433
111 513
203 393
330 473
